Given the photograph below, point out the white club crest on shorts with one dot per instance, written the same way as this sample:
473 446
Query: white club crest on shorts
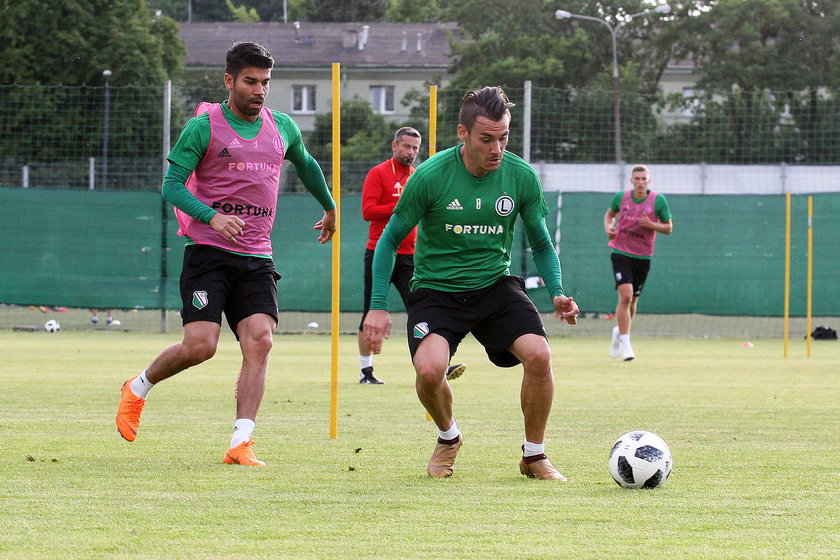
200 299
421 329
504 205
618 276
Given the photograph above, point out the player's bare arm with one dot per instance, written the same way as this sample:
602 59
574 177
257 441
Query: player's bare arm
327 226
609 223
377 326
228 225
661 227
567 308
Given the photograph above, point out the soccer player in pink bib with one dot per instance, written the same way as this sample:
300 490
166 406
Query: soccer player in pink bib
632 221
223 181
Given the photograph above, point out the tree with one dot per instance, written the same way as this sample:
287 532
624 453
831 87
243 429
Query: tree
364 134
765 69
242 13
413 11
71 42
213 10
365 141
341 10
503 46
763 44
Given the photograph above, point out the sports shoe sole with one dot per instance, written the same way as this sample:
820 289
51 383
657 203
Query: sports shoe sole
456 371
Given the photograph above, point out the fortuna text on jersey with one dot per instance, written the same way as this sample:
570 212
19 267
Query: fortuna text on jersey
475 229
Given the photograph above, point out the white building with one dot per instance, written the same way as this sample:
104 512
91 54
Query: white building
380 62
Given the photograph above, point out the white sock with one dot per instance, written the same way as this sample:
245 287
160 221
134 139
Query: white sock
450 434
365 361
242 430
624 339
141 385
532 449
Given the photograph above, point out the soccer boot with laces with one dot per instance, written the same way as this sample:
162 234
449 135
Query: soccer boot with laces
456 371
367 377
442 462
243 454
128 414
540 467
615 345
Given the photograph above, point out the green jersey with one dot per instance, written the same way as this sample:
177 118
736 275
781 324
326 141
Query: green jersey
466 223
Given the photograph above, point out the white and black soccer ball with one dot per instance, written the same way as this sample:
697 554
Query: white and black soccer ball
640 460
52 326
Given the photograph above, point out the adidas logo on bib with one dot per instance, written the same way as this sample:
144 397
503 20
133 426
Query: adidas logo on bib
455 205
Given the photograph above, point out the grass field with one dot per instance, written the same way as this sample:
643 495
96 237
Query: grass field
755 440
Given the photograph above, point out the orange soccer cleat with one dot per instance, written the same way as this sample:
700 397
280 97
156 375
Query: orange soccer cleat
243 454
128 414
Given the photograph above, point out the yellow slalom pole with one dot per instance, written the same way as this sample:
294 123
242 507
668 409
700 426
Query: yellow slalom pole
432 120
810 270
787 272
432 147
336 244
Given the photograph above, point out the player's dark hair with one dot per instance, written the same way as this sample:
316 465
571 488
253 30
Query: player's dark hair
406 131
246 55
490 102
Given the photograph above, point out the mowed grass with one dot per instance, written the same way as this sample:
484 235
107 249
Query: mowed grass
755 440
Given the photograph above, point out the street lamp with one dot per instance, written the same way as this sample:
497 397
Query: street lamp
661 9
106 117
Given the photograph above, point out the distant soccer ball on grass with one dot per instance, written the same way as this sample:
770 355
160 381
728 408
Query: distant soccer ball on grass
640 460
52 326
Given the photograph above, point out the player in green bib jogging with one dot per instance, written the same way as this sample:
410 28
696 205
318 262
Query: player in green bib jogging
466 200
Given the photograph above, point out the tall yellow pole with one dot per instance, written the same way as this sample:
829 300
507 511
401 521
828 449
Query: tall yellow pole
787 273
432 120
336 244
432 146
810 270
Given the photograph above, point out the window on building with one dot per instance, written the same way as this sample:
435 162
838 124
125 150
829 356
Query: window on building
693 102
303 99
382 99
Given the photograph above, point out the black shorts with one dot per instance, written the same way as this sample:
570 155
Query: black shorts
215 281
627 270
496 316
400 278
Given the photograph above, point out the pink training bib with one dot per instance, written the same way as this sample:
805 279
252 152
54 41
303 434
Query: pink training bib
240 177
633 238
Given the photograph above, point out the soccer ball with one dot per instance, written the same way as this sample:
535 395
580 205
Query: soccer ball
640 460
52 326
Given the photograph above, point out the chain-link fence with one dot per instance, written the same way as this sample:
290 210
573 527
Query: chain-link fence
111 138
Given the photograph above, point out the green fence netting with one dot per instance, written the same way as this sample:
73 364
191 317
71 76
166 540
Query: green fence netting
106 249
